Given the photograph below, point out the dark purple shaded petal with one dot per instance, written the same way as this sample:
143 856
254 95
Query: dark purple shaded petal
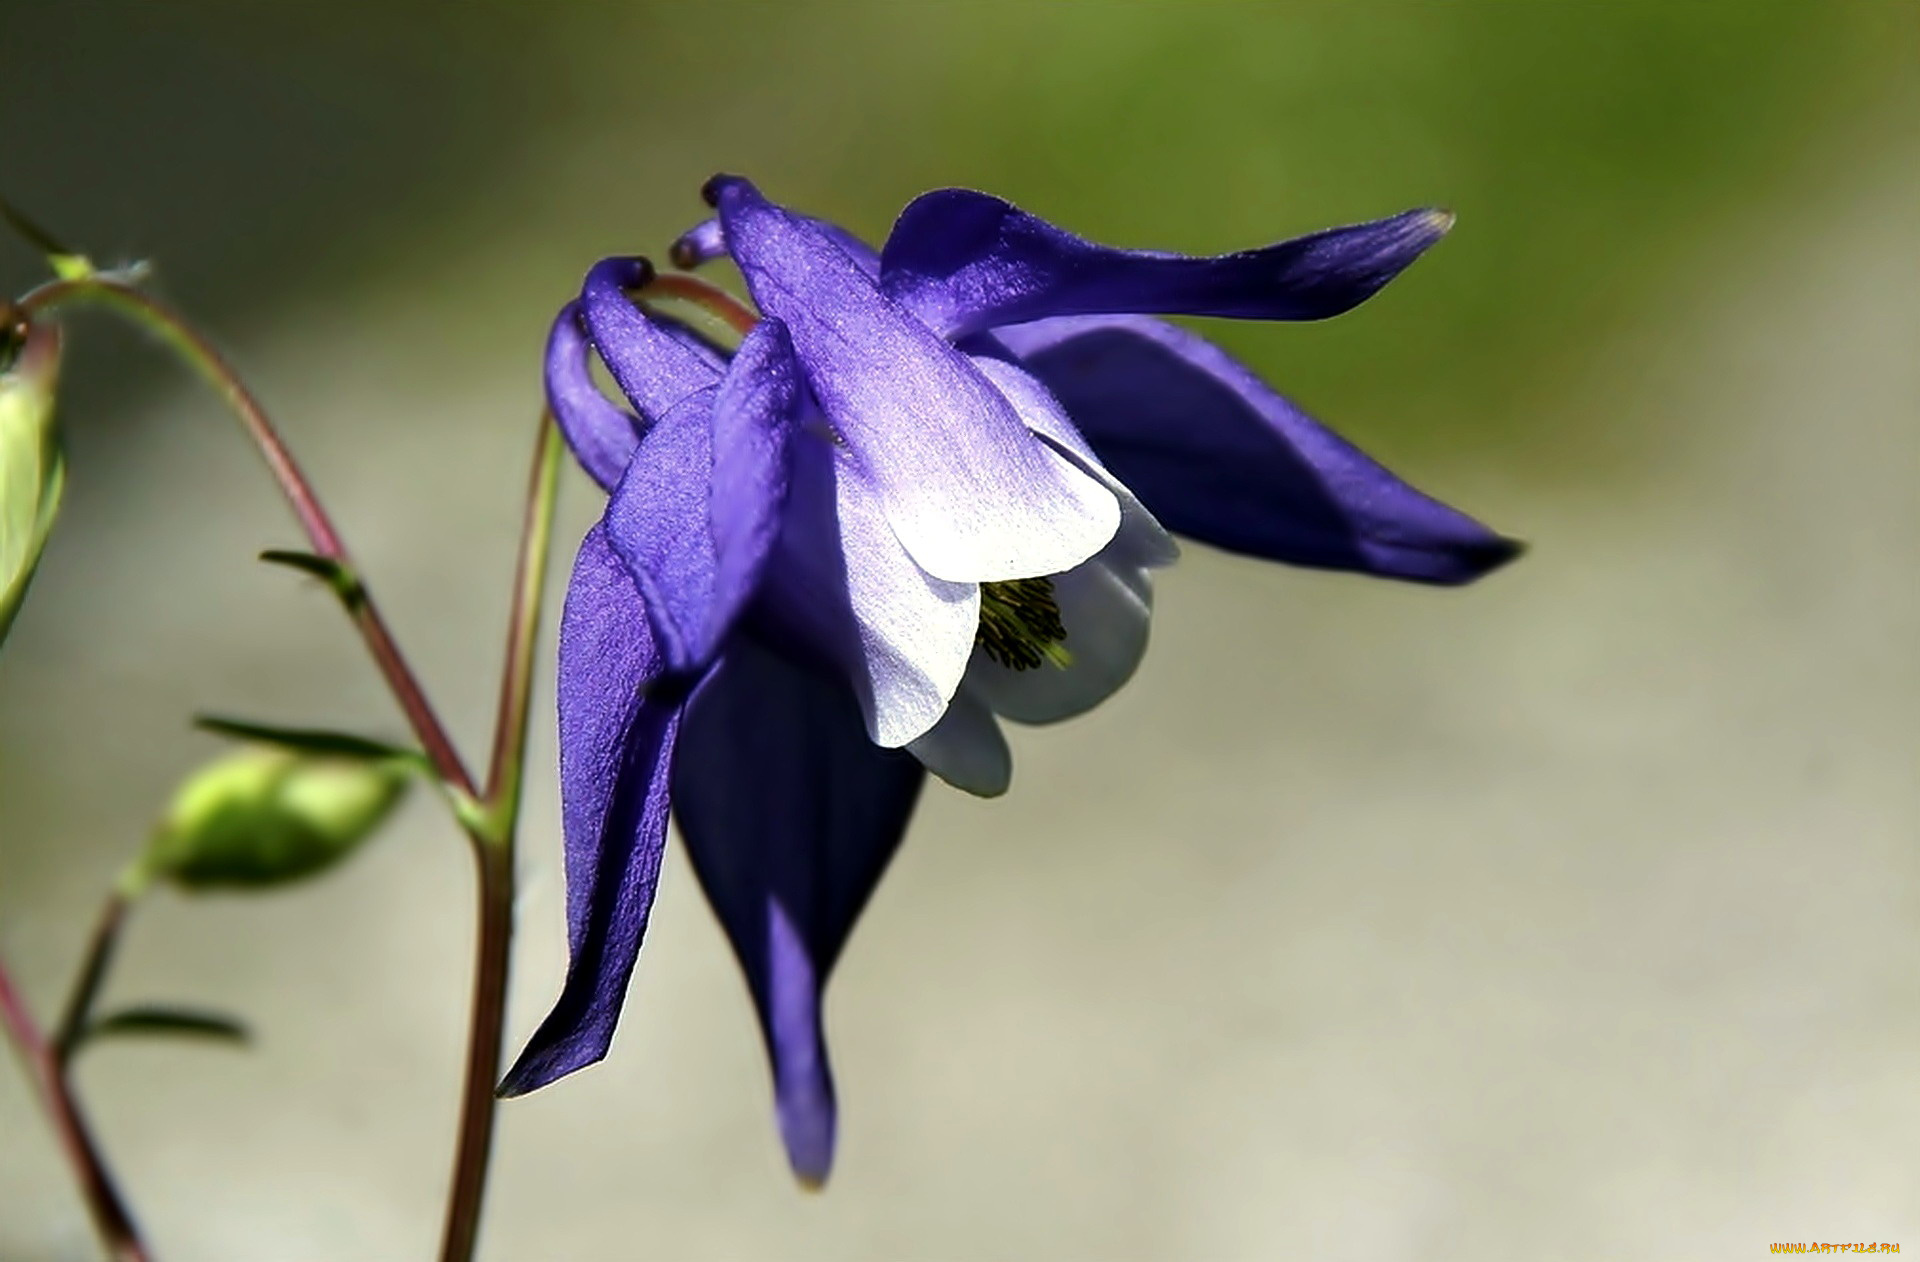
616 747
707 241
600 431
971 494
966 262
656 364
790 815
1217 455
699 508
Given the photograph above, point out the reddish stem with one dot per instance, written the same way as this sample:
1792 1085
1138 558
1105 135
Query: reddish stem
314 521
110 1214
717 302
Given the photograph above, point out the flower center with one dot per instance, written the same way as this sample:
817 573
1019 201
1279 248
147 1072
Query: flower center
1020 624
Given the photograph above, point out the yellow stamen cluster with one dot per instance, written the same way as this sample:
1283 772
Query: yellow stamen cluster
1020 624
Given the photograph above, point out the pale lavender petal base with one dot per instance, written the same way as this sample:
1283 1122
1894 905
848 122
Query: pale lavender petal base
841 589
971 494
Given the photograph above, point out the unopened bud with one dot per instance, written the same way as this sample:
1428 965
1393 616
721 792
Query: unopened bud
263 817
32 472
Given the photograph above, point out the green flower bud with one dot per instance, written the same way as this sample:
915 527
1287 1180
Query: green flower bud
32 473
262 817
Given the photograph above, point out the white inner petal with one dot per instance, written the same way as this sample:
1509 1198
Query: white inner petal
966 748
1148 543
959 524
906 644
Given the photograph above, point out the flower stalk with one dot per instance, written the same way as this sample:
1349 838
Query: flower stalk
493 853
488 818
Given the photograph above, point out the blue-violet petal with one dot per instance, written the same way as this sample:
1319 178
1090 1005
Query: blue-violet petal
967 262
656 363
601 433
1215 454
616 747
700 506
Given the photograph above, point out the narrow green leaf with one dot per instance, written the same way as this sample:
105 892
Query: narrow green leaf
147 1020
344 582
308 740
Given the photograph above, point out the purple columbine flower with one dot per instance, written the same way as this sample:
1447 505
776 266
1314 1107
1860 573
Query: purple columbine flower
924 494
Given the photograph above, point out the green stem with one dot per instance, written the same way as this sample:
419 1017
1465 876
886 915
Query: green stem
196 350
505 768
93 973
493 853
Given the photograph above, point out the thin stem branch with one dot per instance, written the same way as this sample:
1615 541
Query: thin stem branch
93 973
111 1216
493 853
192 346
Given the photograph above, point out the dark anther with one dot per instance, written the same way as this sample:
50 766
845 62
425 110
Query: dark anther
641 274
1020 624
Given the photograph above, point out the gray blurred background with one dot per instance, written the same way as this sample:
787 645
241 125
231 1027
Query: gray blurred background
1576 915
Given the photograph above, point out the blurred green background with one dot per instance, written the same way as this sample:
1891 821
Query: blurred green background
1574 915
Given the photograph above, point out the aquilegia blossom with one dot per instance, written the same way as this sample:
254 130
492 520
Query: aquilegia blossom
924 494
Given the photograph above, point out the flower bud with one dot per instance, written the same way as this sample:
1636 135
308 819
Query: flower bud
262 817
32 472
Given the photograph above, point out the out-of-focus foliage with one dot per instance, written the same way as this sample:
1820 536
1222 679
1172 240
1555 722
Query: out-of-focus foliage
32 472
263 817
1584 146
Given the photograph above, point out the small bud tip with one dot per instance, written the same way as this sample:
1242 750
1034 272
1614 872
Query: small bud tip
1441 221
